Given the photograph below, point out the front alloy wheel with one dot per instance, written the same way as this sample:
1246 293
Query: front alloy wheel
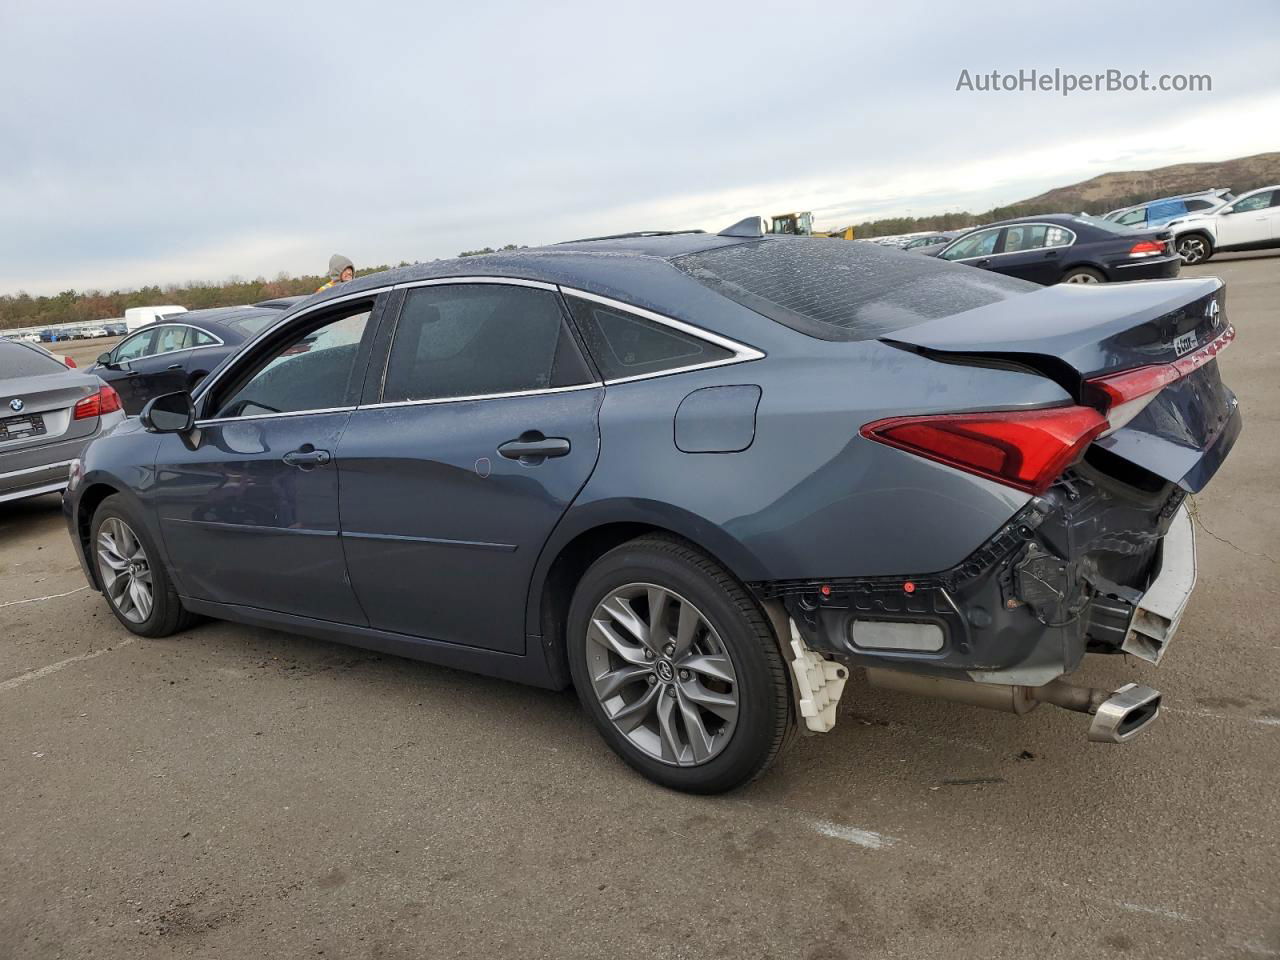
665 679
125 570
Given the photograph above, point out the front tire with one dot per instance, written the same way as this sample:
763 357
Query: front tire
132 576
678 667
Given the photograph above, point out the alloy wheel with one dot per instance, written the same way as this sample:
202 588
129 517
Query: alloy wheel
662 674
125 570
1191 249
1082 278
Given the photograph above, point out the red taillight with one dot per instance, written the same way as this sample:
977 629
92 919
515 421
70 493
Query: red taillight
1026 449
1128 392
69 362
1146 248
106 400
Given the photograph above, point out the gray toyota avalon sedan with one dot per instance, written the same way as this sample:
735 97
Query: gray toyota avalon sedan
697 477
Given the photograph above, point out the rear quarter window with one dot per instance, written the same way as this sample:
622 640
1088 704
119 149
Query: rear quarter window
835 289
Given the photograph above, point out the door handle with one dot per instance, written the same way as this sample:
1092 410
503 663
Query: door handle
174 366
984 262
306 457
534 448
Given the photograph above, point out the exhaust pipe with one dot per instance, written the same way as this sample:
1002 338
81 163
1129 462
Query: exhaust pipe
1124 714
1118 716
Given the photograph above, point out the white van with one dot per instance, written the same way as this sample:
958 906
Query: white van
136 317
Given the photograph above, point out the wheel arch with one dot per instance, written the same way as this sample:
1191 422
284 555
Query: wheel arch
90 498
579 542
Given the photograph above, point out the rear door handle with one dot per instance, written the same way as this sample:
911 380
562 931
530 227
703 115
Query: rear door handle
174 366
535 449
983 263
306 457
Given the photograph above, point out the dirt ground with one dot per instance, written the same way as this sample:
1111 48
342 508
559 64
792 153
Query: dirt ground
234 792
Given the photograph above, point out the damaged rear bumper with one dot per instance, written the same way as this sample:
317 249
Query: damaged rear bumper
1095 565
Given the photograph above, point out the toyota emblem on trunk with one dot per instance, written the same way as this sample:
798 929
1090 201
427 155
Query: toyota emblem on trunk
15 405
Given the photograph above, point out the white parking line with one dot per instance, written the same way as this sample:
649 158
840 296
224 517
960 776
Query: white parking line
1154 911
863 838
55 667
1263 721
52 596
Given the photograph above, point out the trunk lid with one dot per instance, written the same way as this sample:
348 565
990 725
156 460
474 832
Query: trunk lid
46 400
1075 333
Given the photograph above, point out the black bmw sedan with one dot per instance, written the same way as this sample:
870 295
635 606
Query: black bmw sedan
177 354
1059 248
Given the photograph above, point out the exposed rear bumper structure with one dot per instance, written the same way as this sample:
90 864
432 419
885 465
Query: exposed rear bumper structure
1089 568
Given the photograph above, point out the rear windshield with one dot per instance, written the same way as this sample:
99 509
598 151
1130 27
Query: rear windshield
1111 226
254 323
837 289
19 360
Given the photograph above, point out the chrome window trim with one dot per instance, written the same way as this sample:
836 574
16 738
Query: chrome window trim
595 385
506 281
208 383
741 352
190 326
214 421
1008 253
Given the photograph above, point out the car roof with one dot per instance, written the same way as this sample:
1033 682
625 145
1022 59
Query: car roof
614 264
217 320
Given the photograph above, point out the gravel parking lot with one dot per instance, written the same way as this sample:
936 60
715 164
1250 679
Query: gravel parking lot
235 792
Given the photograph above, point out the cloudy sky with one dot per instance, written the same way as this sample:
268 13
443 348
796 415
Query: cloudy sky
164 142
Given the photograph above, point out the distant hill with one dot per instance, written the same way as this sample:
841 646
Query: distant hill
1113 190
1101 194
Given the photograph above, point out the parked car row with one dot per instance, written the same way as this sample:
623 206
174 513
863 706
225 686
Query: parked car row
1146 241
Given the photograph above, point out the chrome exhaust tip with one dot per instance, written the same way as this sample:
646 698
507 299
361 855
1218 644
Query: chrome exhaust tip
1125 714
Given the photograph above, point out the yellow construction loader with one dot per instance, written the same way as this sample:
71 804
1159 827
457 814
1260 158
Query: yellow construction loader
801 225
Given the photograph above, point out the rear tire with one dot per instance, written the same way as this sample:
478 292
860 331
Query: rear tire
1194 248
701 703
133 578
1083 275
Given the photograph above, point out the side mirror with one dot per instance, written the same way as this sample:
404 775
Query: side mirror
170 413
105 359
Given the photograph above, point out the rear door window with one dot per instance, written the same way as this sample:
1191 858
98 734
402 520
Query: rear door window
171 338
1029 236
477 340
